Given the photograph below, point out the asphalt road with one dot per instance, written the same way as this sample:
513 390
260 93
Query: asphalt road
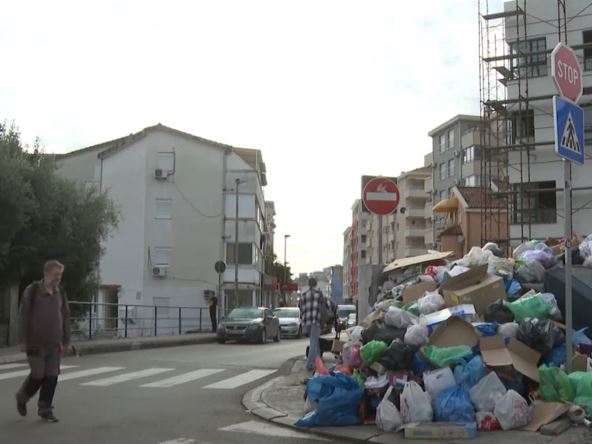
179 395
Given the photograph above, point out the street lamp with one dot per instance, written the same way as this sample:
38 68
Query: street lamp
286 236
237 183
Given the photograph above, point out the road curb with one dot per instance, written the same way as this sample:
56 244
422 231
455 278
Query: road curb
119 345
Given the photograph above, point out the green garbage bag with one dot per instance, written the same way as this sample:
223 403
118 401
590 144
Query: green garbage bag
411 308
555 385
530 307
372 352
584 392
575 378
359 377
445 356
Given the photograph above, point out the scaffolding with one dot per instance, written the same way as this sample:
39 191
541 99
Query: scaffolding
507 130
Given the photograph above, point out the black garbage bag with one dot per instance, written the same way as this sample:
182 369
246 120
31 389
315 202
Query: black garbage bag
398 356
381 332
541 335
498 312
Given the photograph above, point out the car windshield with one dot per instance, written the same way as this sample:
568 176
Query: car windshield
246 313
344 312
287 312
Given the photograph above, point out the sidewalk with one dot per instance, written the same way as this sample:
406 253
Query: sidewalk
79 348
281 401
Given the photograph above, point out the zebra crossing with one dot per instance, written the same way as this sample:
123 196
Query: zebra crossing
146 378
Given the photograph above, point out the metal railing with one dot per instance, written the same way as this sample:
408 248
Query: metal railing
91 320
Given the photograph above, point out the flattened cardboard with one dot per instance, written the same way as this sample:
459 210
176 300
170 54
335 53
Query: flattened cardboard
337 346
474 287
416 260
434 319
523 358
454 331
440 430
545 413
579 362
416 291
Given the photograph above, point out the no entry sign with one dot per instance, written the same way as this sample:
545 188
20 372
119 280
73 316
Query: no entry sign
381 196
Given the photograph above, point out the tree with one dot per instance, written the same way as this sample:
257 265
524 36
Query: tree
283 274
44 216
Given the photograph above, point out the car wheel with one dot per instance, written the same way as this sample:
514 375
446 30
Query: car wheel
299 332
220 341
263 337
277 336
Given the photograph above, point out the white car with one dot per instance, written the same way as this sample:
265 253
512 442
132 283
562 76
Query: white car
290 322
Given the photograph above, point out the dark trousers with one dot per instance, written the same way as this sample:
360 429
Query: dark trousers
45 367
213 310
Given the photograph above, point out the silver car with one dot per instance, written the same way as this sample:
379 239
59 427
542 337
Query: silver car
290 322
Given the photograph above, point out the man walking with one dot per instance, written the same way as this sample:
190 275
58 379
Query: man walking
44 332
213 303
312 310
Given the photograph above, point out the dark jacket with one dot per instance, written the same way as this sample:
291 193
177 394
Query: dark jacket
44 319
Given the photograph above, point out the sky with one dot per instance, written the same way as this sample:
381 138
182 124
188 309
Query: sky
328 90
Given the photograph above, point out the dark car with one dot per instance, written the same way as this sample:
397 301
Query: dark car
249 324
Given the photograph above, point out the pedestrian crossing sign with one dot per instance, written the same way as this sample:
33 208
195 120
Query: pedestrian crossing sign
569 130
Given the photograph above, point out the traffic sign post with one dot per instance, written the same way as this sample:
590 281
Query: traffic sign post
569 144
381 197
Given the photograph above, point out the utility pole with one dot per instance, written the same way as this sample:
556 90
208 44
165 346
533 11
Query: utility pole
286 236
237 183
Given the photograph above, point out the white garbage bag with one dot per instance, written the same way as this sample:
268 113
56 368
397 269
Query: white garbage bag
487 391
416 335
509 329
416 405
437 380
430 303
395 317
388 417
512 411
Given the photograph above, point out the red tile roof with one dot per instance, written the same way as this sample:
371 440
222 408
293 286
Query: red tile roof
479 197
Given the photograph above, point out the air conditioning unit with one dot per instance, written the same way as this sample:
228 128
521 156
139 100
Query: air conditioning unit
159 272
160 174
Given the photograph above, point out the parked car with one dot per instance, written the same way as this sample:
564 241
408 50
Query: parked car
249 324
351 320
344 312
290 322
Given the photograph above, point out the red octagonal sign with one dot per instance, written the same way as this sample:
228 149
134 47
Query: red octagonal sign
381 196
566 72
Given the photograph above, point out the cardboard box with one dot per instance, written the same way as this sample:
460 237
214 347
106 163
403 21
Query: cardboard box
454 331
474 287
416 291
432 320
440 430
337 346
518 355
545 413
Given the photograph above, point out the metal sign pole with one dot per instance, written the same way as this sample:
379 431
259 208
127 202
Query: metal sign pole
568 277
380 239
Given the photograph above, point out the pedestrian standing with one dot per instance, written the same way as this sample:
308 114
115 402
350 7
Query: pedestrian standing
213 303
311 311
44 333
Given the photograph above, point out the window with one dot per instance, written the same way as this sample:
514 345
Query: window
164 208
161 256
472 181
451 138
443 171
443 194
522 125
245 253
539 207
451 168
442 142
587 39
364 238
166 161
531 60
469 154
588 124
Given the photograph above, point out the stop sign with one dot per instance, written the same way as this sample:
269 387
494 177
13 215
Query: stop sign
566 72
381 196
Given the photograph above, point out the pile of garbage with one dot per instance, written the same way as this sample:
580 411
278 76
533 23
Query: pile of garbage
456 347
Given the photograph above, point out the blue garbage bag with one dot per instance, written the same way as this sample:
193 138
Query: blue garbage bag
487 328
339 398
556 357
471 373
420 365
454 405
513 287
580 337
